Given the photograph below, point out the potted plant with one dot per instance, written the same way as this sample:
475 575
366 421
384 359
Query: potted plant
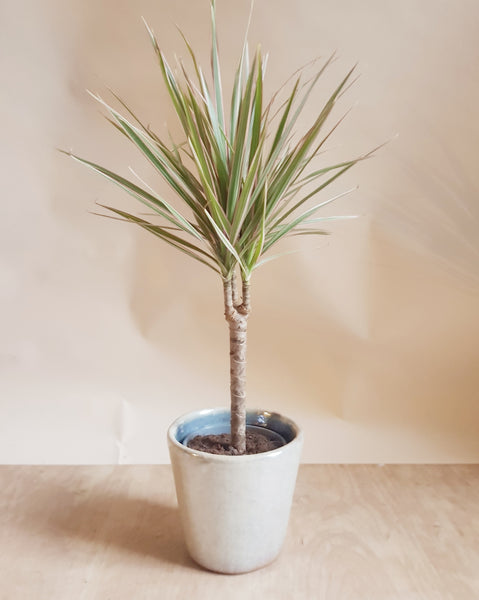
244 185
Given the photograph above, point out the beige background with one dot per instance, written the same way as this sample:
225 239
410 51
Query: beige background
371 342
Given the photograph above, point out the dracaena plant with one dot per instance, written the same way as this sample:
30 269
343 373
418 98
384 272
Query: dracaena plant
243 183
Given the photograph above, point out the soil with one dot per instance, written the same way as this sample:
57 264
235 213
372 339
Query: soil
256 443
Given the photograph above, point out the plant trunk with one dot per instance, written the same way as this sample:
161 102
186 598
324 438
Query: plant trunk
237 318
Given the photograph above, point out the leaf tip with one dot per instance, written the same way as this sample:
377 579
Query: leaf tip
93 95
145 23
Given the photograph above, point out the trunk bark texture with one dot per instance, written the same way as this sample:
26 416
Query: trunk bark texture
237 317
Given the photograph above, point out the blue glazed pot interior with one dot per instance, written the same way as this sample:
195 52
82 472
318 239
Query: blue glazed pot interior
216 421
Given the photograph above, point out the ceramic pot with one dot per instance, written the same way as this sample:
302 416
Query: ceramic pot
234 509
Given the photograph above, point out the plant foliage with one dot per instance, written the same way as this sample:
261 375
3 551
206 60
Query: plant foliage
243 181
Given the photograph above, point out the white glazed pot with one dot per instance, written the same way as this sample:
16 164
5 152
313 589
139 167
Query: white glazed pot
234 509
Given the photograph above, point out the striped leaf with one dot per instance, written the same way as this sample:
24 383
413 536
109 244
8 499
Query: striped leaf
242 183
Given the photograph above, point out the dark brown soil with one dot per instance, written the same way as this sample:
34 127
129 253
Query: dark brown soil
221 444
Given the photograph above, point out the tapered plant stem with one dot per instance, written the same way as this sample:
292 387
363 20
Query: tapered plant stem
237 318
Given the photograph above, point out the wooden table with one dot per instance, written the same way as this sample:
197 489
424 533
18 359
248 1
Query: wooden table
356 533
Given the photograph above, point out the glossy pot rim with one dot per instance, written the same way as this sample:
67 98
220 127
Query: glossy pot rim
258 417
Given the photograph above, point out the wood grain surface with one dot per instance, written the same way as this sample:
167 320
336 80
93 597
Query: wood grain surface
356 533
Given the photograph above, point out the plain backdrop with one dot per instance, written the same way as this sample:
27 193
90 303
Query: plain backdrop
368 338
